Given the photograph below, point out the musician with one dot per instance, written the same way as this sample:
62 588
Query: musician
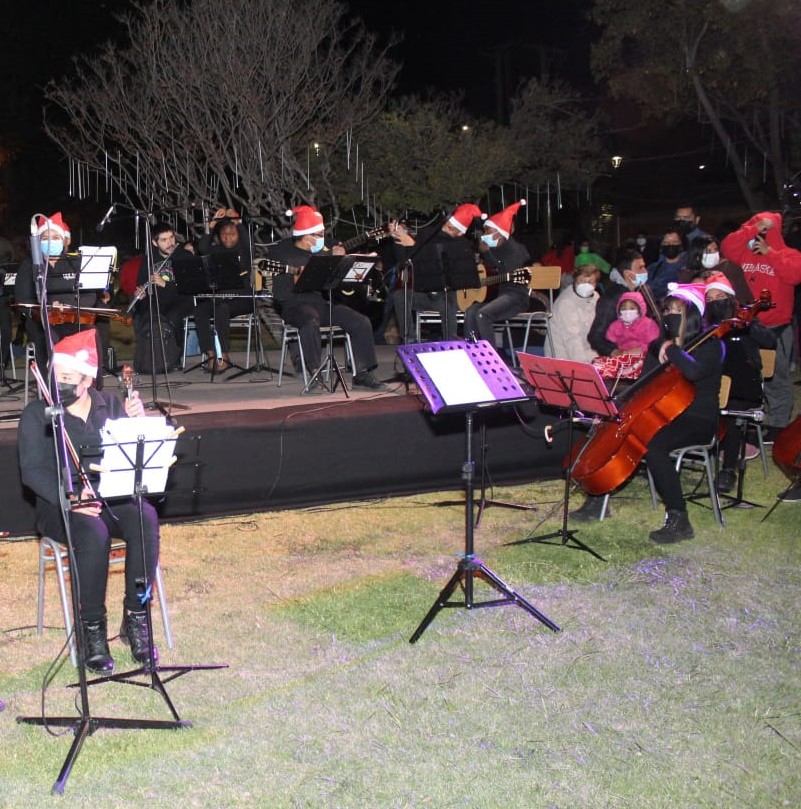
62 274
500 253
435 255
92 523
228 236
742 364
683 321
307 311
169 303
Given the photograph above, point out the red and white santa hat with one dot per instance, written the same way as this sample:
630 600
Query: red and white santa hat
78 352
502 221
54 223
690 293
464 215
307 220
719 281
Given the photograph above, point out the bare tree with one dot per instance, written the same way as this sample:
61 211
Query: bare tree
219 104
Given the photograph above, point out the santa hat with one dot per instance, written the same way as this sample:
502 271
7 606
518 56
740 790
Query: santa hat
307 220
55 223
464 215
502 221
690 293
78 352
719 281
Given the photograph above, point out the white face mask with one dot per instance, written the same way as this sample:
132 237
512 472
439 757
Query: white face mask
584 290
628 316
710 260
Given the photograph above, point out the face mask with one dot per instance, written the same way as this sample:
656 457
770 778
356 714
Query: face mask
628 316
641 243
52 248
710 260
720 310
672 325
318 244
584 290
640 278
490 240
67 393
671 250
584 249
683 225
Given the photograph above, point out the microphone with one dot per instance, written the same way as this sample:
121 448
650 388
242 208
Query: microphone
104 221
36 246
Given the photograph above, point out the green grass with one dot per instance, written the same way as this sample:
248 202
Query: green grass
674 683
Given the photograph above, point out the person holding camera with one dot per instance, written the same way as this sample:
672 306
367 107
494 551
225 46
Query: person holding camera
769 264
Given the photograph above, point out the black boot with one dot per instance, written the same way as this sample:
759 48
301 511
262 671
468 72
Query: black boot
96 654
133 631
676 528
590 509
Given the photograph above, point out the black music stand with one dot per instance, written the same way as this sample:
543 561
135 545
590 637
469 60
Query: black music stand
578 388
466 376
325 274
208 275
10 388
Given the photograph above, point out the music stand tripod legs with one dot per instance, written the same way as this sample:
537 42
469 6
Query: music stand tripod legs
470 566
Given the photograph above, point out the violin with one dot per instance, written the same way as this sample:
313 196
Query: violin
59 315
613 449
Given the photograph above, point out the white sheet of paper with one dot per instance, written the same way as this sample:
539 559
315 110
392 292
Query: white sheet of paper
455 377
120 437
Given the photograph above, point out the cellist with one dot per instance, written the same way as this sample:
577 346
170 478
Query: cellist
683 321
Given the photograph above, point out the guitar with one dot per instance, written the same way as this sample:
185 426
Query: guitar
467 297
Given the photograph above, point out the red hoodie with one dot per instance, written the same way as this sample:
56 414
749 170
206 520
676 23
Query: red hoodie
778 272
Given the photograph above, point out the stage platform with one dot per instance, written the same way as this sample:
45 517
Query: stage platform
249 445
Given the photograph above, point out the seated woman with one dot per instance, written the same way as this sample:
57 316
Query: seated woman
573 314
228 236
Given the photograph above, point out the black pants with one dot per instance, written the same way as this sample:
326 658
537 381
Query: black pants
220 311
91 537
684 430
307 315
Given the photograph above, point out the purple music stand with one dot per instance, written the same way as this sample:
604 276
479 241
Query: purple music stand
455 375
578 388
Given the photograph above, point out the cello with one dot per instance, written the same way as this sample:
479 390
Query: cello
613 449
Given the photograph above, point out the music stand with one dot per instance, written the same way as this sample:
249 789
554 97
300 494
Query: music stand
96 267
325 274
10 388
208 275
578 388
455 375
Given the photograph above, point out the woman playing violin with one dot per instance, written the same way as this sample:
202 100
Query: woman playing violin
683 318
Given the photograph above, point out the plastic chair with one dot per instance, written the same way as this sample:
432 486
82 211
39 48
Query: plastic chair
52 551
290 334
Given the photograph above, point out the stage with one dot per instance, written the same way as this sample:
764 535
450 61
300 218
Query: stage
249 445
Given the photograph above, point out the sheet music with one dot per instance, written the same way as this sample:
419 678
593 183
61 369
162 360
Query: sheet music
120 438
96 266
455 377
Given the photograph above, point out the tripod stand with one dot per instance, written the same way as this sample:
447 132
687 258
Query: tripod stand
742 419
455 375
576 387
141 471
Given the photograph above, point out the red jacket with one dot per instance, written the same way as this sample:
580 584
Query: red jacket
778 272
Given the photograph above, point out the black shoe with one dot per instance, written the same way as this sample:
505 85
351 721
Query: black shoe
96 654
364 379
726 480
790 496
133 631
676 528
769 434
590 509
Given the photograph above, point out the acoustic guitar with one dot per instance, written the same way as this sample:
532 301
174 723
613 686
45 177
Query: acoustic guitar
467 297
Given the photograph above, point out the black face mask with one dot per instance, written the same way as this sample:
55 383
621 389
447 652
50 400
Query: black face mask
683 225
67 393
720 310
671 250
672 325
